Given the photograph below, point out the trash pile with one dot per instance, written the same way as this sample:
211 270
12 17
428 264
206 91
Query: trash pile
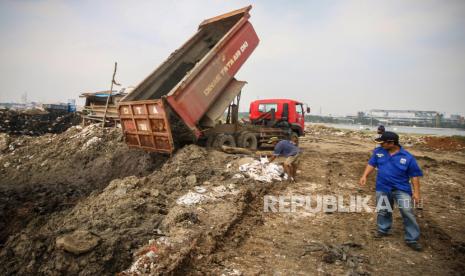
206 194
261 170
36 122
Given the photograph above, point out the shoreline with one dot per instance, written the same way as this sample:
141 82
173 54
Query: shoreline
399 129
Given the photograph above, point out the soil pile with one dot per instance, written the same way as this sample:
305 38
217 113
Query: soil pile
110 226
50 173
445 143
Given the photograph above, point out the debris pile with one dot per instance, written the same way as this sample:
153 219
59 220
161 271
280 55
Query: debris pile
36 122
262 171
51 173
206 194
119 220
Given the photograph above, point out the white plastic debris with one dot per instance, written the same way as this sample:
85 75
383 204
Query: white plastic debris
151 255
263 170
92 141
191 198
238 176
200 189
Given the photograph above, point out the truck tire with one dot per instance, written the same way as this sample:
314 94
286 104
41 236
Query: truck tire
224 140
247 140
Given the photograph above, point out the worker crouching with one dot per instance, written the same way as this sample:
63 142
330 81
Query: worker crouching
290 150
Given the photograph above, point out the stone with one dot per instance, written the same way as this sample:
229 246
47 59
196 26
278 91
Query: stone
191 179
4 141
78 242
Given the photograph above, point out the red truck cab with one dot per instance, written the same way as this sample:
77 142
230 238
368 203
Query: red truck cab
278 111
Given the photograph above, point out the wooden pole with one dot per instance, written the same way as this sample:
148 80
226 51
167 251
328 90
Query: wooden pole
109 95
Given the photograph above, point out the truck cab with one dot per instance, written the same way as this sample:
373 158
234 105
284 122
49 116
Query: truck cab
279 112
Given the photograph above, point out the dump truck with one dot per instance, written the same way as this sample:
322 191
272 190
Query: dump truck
284 113
182 101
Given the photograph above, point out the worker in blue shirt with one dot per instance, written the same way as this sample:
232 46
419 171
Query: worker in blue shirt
291 151
396 167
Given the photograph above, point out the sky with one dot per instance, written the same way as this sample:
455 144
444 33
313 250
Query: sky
339 57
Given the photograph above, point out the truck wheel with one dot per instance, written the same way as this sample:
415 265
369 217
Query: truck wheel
224 140
247 140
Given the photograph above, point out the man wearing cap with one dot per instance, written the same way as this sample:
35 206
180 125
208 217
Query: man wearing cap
380 132
396 167
291 151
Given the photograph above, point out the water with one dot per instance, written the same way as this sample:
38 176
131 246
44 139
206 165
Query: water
401 129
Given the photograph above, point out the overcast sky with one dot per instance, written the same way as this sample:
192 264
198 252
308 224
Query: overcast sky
340 56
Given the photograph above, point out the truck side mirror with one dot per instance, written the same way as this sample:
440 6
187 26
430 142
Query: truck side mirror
308 109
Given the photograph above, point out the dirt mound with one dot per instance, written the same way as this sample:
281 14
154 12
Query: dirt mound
123 217
50 173
444 143
36 122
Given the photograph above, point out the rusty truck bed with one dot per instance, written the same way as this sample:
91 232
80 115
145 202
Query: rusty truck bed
190 81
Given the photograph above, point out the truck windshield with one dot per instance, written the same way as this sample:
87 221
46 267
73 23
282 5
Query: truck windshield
299 109
267 107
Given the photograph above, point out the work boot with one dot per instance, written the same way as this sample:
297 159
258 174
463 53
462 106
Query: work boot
415 246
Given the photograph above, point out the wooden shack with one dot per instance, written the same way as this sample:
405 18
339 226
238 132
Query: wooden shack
95 105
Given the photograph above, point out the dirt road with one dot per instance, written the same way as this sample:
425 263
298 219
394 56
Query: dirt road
303 243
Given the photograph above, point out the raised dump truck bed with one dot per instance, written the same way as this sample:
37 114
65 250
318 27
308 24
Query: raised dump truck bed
180 92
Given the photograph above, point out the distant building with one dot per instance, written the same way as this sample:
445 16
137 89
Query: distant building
403 116
408 118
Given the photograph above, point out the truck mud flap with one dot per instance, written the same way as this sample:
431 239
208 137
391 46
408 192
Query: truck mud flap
145 125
